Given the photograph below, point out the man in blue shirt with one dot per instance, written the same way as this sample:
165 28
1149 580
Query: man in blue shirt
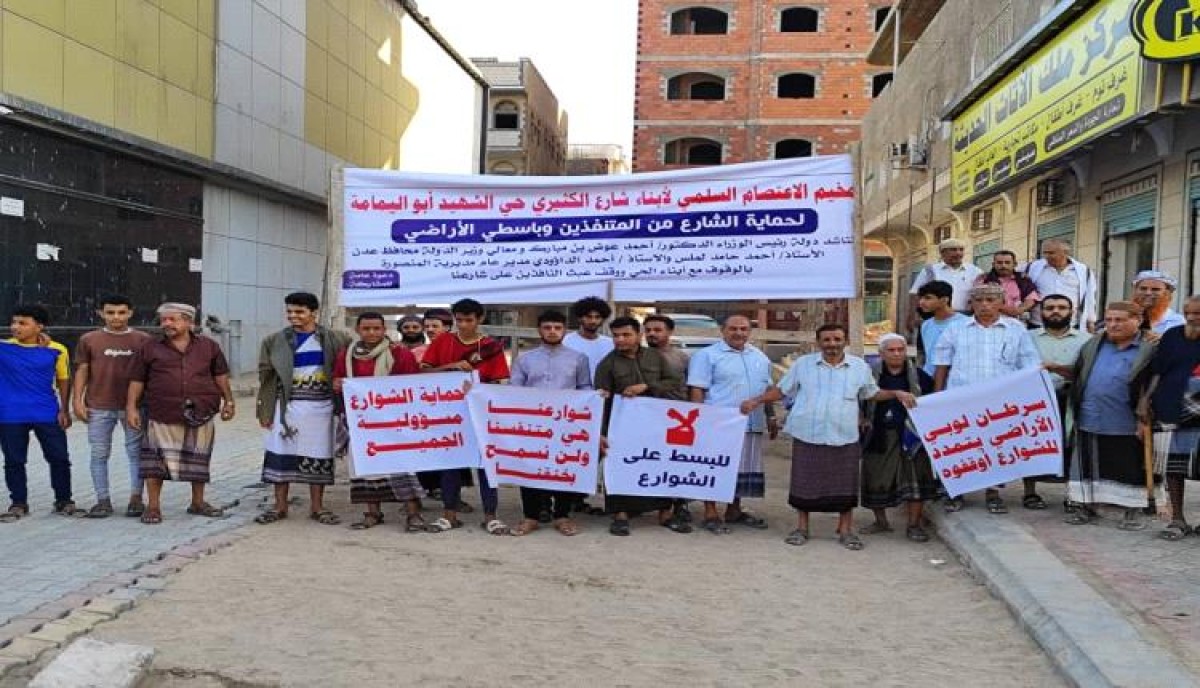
34 388
934 298
550 366
726 374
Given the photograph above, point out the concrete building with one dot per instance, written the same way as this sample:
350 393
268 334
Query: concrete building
596 158
182 150
527 131
1009 123
742 80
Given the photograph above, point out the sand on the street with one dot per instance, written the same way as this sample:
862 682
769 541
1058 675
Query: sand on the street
300 604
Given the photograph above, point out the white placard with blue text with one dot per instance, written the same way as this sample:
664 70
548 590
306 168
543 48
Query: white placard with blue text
660 448
992 432
762 230
409 423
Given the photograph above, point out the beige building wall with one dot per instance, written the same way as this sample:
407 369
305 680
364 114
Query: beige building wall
140 66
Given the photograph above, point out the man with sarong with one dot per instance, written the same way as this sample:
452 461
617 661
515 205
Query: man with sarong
1110 376
896 469
467 349
550 366
824 425
373 355
633 371
728 373
1172 406
295 407
183 380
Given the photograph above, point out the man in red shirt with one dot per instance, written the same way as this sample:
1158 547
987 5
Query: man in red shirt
467 349
373 355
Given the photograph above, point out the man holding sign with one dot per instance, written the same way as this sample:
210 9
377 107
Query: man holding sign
632 371
726 374
982 348
824 425
550 366
467 349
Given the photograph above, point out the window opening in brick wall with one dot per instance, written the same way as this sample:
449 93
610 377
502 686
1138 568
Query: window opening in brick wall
692 151
696 86
506 116
799 20
880 82
699 21
793 148
798 85
881 15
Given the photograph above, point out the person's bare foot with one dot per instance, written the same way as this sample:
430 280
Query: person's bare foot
526 527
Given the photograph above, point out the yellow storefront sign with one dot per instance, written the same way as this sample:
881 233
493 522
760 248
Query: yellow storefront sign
1168 30
1084 82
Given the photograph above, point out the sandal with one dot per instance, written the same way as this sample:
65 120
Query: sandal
1033 501
953 505
442 525
526 527
677 525
65 508
683 513
748 520
995 505
102 509
620 527
206 510
1081 517
850 541
413 523
566 526
325 517
152 517
797 537
916 534
875 529
270 517
712 525
496 527
370 520
135 509
15 513
1175 530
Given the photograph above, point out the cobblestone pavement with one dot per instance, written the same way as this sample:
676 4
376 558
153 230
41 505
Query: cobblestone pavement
46 556
1153 581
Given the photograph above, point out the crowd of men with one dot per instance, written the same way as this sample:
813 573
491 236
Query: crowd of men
1127 377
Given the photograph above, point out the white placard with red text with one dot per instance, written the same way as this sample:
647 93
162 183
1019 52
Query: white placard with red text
544 438
993 432
409 423
660 448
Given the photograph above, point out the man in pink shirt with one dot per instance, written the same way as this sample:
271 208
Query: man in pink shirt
1020 293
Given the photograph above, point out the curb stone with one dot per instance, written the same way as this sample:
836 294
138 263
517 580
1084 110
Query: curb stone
1088 640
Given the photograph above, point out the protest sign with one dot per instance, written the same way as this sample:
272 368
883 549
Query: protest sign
660 448
546 438
409 423
774 229
993 432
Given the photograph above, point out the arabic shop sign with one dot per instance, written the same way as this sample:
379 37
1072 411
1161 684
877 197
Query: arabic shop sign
1167 30
1081 84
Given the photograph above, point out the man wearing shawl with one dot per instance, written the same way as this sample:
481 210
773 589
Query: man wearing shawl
373 355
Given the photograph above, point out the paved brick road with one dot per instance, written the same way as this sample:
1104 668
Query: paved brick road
47 556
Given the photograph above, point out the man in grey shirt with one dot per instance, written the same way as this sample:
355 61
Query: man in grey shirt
550 366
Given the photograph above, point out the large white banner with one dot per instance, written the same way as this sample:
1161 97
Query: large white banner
409 423
545 438
993 432
776 229
659 448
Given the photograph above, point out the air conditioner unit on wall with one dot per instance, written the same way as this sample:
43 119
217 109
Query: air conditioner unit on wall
1050 192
